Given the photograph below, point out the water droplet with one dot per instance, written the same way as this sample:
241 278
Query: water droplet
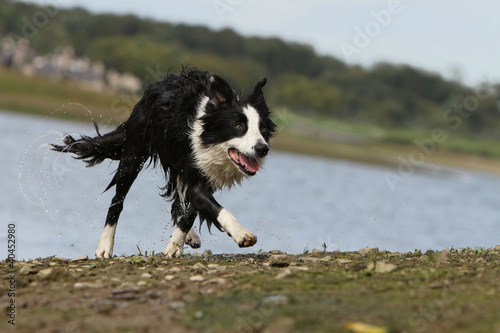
60 234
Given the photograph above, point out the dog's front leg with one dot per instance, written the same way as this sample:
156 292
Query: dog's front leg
209 208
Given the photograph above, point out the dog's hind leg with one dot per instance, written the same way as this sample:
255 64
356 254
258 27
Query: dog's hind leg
192 239
124 177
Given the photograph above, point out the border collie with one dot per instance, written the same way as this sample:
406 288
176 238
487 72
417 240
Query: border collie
205 135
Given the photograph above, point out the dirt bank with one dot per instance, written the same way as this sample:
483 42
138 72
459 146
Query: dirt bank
447 291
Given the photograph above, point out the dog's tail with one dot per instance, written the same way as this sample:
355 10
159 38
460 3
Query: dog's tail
94 150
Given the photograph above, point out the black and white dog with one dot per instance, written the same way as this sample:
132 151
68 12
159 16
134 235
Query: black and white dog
205 135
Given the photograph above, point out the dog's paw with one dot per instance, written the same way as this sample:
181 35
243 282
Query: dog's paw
244 238
104 252
192 239
106 243
173 250
248 240
175 245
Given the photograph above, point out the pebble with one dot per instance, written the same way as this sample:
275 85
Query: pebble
45 273
216 280
199 265
87 285
317 251
369 250
279 260
146 275
196 278
169 277
27 269
174 270
177 305
497 247
344 261
141 283
381 267
276 299
79 259
285 273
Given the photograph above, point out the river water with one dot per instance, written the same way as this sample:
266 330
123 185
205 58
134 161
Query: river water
295 203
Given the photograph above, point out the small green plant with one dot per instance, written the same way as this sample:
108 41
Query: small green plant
138 250
136 260
324 247
306 249
480 250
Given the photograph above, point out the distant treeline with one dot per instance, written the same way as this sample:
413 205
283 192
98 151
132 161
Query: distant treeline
299 78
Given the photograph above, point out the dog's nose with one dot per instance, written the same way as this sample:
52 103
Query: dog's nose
262 149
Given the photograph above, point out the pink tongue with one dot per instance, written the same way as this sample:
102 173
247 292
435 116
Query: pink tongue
251 163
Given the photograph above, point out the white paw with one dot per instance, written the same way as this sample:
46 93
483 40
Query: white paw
104 252
173 250
106 242
175 245
243 237
192 239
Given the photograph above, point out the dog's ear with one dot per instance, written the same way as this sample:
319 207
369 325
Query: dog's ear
257 97
220 90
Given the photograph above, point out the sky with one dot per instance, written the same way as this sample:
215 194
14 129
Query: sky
459 39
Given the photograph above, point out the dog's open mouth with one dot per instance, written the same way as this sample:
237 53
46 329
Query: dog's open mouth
247 164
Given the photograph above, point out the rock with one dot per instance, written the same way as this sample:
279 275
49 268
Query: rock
153 294
79 259
27 269
199 266
169 277
279 260
344 261
276 252
141 283
207 253
217 280
276 299
196 278
146 275
497 248
285 273
317 251
45 273
368 250
87 285
174 270
381 267
61 259
177 305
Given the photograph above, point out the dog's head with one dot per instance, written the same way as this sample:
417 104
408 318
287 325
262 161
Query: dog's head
232 132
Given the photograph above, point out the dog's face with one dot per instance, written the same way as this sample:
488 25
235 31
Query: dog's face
231 134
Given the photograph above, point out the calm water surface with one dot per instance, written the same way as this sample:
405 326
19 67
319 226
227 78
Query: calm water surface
294 203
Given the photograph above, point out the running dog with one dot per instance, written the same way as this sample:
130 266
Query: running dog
203 133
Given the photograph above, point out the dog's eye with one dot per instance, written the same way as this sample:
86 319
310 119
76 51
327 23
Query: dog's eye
238 126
